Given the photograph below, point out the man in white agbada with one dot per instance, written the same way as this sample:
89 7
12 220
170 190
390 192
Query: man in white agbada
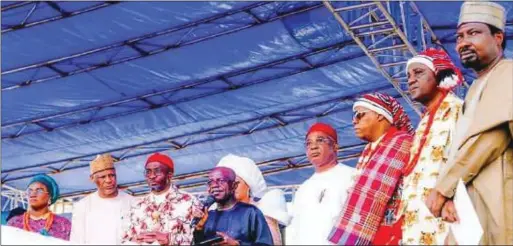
252 186
318 200
97 217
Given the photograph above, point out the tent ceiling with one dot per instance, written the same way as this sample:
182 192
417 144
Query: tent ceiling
195 80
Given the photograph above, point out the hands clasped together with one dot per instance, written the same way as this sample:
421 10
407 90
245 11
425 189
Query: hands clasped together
441 206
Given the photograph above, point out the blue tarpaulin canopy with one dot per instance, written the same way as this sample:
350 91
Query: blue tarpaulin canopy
196 81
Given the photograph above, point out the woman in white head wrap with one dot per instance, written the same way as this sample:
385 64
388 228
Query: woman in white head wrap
251 187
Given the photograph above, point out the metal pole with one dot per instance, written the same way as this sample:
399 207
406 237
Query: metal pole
394 83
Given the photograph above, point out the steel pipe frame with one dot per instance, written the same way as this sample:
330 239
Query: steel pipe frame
18 197
202 174
402 33
349 30
193 84
16 5
134 41
130 41
427 27
78 111
284 112
246 121
62 15
15 197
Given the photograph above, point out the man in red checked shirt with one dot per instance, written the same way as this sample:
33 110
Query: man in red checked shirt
368 215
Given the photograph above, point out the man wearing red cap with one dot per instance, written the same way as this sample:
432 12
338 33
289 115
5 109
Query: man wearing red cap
164 215
318 200
431 77
368 215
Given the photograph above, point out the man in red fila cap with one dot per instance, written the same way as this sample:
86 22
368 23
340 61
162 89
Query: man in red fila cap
164 215
318 200
368 215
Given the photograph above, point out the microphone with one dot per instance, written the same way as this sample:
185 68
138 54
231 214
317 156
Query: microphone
206 204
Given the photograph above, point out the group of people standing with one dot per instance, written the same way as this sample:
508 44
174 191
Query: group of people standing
400 192
245 211
403 186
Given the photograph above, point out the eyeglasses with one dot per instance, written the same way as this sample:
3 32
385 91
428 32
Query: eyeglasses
358 115
217 181
156 172
38 191
318 141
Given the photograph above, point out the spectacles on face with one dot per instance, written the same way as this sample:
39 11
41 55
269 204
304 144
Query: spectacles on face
358 115
217 181
156 172
318 141
38 191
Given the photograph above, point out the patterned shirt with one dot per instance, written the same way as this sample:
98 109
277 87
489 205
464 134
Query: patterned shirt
372 198
420 227
170 212
393 204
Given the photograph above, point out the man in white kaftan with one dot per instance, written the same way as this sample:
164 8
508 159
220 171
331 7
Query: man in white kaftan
97 217
317 202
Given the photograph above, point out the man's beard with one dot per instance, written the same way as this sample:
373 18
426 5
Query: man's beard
159 187
227 197
473 63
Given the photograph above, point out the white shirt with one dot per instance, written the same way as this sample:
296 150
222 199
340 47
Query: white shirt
317 205
98 221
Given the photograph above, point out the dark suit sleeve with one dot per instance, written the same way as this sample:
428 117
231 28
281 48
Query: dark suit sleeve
198 237
259 230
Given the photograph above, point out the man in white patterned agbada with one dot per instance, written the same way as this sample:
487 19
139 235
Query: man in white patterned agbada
431 76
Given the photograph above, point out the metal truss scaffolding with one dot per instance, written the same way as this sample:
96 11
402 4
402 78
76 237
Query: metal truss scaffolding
70 119
145 48
14 198
146 45
35 5
389 33
248 126
17 198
